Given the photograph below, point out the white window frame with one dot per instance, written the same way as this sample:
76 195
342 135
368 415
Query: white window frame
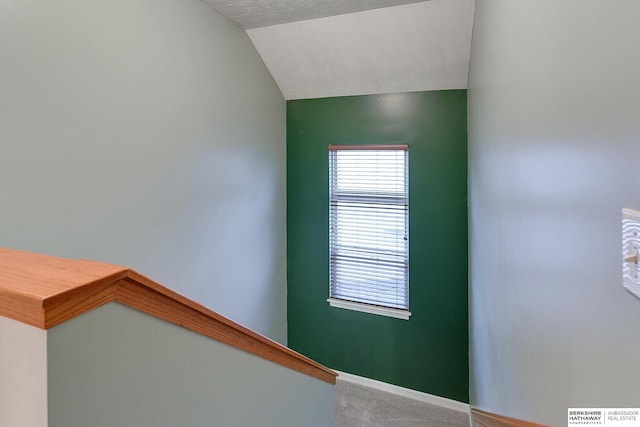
341 293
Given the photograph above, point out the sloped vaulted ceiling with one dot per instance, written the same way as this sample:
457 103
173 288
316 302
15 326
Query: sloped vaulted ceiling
262 13
410 47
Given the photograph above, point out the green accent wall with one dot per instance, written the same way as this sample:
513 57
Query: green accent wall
429 352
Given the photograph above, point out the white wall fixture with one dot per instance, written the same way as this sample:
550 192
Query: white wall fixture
631 251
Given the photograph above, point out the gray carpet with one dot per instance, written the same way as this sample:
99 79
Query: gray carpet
359 406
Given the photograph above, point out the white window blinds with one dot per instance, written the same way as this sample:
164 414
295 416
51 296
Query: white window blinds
368 225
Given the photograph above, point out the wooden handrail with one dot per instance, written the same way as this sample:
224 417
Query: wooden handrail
44 291
488 419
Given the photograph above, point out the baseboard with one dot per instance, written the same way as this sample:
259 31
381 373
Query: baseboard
487 419
404 392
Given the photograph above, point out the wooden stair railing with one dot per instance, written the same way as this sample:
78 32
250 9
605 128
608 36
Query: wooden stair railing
488 419
44 291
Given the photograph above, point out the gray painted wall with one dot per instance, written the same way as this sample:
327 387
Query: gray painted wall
554 143
147 133
23 374
116 366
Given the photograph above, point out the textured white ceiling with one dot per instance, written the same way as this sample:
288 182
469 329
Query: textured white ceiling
414 47
262 13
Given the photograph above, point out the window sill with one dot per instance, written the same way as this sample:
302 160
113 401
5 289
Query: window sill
371 309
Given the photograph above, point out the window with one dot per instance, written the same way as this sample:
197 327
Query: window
369 228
